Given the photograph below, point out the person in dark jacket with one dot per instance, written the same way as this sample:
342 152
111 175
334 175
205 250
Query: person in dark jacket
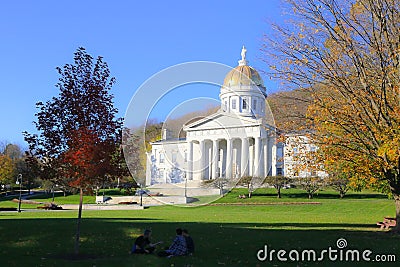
143 244
189 241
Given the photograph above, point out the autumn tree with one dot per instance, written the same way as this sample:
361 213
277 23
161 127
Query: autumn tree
278 182
310 184
78 132
21 165
13 151
221 183
346 54
6 170
251 183
136 144
340 174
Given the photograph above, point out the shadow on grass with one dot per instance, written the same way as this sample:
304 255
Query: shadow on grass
321 195
107 241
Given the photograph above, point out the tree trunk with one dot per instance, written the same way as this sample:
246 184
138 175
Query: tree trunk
396 229
78 228
341 194
279 192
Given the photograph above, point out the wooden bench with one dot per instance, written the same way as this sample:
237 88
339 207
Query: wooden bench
50 206
387 223
127 202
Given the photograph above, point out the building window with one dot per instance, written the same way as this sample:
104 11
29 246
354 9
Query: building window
254 104
233 103
244 104
162 157
279 171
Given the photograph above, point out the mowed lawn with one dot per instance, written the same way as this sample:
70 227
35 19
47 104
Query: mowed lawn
225 235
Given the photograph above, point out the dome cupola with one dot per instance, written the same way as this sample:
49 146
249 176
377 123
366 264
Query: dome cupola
243 91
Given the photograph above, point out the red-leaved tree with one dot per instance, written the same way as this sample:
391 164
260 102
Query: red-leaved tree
79 137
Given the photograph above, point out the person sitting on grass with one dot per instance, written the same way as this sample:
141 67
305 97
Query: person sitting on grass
177 248
189 242
143 245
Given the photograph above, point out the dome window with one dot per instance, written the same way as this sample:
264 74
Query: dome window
244 104
254 104
233 103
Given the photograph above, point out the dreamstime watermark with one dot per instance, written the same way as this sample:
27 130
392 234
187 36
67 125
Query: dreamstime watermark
334 254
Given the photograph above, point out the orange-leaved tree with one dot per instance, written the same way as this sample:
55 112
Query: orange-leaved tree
85 164
346 54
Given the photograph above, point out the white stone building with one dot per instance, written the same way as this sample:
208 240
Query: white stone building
236 141
299 159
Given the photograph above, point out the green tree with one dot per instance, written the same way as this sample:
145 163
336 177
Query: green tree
28 175
78 132
346 54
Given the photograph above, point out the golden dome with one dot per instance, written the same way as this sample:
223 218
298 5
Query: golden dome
243 75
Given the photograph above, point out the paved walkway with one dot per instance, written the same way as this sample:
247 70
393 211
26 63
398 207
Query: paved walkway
102 207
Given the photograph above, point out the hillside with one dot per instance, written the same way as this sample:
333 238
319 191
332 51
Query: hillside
289 109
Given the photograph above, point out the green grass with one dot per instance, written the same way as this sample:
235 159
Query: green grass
59 199
224 235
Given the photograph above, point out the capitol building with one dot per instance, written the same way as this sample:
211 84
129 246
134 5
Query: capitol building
238 140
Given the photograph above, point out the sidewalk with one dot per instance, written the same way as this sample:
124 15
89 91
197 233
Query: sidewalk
102 207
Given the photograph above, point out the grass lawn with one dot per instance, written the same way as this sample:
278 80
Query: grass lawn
225 235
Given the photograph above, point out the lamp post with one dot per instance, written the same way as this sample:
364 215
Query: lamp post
186 186
19 181
141 194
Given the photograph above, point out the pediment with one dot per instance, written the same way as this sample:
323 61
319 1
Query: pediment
221 120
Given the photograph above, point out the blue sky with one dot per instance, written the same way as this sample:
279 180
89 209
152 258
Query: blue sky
136 38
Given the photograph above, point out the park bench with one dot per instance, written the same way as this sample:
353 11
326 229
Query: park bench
127 202
50 206
387 223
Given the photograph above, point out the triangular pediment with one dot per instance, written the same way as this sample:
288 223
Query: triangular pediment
222 120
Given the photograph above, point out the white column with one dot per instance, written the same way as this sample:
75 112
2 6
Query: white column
250 166
269 154
201 160
244 166
257 147
262 156
190 161
215 156
265 156
228 172
274 158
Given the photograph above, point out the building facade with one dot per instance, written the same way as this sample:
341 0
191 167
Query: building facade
300 157
238 140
